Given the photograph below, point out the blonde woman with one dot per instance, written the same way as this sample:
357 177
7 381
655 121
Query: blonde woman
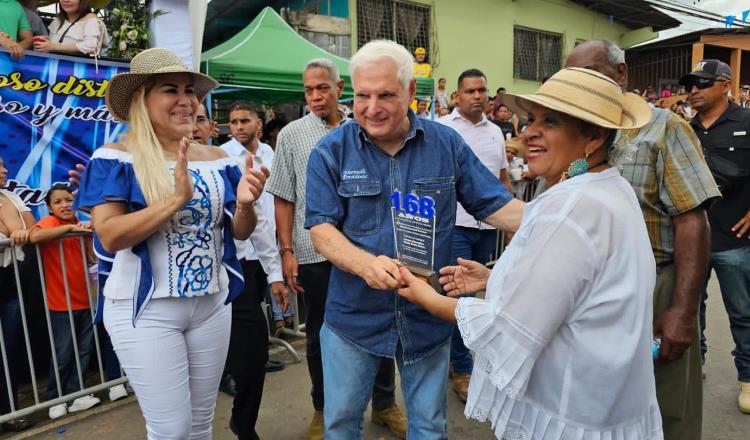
168 211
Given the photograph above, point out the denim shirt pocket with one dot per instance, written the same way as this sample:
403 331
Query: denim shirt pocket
363 206
443 191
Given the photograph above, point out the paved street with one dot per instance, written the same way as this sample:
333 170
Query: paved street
286 407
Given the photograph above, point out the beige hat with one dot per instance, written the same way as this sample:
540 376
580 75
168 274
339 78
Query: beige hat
515 145
588 95
143 66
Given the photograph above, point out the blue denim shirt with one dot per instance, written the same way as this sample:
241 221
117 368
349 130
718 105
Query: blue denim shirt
349 183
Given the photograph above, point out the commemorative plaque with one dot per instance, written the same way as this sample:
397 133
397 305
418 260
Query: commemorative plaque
414 223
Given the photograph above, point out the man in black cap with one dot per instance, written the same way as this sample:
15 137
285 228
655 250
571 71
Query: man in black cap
723 128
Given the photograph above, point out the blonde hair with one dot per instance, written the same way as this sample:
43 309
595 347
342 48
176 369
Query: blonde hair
149 159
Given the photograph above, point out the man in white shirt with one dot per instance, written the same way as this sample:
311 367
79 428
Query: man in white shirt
261 265
473 240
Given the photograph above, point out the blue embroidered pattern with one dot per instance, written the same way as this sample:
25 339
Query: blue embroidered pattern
190 241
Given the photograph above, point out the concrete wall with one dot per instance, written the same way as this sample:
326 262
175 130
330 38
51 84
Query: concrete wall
479 33
333 8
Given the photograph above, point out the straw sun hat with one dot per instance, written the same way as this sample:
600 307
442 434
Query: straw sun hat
587 95
515 145
143 66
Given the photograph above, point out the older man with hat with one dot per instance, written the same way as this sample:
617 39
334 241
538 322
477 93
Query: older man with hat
664 165
723 128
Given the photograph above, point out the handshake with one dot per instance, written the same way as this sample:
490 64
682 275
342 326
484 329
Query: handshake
466 277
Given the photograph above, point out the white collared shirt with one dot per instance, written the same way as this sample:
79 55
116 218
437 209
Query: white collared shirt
262 244
486 140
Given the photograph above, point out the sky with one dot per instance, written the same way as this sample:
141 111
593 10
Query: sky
691 24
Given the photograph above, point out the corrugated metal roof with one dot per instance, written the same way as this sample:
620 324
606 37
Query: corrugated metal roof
632 13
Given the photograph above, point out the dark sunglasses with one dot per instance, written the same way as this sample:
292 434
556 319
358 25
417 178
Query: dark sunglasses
702 83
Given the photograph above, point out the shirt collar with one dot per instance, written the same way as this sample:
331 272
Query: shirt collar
733 113
319 121
235 148
416 125
455 114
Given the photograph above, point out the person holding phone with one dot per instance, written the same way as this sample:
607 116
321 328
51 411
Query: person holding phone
76 30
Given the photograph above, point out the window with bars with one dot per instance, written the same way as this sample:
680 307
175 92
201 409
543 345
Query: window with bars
536 54
406 23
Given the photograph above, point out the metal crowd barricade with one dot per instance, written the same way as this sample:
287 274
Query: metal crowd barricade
38 404
297 330
527 193
274 334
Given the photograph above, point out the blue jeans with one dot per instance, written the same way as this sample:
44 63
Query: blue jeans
66 362
349 373
733 271
278 315
470 244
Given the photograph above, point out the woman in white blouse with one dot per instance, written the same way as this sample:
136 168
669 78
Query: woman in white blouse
563 339
76 29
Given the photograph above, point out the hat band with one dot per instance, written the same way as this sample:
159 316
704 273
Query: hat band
579 86
585 110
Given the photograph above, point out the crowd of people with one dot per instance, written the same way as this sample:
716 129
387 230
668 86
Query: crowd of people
66 264
75 30
590 324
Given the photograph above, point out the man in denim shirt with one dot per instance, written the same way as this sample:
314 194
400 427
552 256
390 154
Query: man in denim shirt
351 176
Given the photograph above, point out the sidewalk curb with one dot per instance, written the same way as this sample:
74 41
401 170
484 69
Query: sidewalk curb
67 420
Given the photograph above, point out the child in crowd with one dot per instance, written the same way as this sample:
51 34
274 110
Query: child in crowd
282 319
48 233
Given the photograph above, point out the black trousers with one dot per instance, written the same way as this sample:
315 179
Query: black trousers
248 350
314 279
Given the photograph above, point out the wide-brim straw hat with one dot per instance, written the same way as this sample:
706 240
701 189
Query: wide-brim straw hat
516 145
143 66
587 95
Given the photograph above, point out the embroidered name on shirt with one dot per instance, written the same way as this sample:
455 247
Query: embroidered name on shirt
354 174
740 133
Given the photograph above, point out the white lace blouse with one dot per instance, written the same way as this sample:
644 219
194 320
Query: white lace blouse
563 339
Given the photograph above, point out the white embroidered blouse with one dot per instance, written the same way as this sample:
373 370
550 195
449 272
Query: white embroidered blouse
563 338
186 255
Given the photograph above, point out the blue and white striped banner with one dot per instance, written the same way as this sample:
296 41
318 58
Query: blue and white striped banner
52 116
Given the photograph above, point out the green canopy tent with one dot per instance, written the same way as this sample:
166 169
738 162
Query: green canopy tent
264 62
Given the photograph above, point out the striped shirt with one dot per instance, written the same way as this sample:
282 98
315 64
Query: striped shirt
289 176
664 163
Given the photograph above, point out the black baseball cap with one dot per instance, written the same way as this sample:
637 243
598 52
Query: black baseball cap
709 69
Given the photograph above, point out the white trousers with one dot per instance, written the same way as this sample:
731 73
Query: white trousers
174 358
